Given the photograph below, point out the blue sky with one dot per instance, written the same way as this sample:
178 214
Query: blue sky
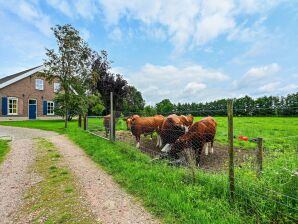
187 51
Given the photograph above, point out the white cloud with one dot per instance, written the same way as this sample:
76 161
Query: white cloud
257 73
116 34
30 13
188 23
86 8
269 88
185 83
62 5
194 87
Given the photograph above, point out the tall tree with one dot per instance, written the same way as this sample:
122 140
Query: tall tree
103 81
69 63
165 107
134 102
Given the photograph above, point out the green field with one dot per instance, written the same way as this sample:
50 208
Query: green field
169 193
4 147
279 133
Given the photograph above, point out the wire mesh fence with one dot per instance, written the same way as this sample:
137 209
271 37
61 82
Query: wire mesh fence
264 182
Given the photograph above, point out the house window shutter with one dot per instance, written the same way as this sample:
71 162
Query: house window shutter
45 107
4 105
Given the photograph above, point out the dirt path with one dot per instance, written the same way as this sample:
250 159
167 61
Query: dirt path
15 177
109 202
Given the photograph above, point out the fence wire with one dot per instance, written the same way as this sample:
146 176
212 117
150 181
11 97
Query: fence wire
187 141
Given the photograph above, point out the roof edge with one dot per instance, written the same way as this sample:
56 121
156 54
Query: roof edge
18 78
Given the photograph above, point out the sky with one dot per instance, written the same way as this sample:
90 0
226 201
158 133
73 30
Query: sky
186 51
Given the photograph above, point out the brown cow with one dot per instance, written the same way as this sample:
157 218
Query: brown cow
199 134
171 129
145 125
186 121
106 124
129 120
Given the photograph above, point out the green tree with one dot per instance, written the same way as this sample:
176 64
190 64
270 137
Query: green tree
149 111
165 107
95 105
69 63
134 102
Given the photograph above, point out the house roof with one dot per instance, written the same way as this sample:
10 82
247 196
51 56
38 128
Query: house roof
18 76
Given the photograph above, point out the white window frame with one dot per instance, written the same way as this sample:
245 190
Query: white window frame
17 105
50 102
57 87
39 84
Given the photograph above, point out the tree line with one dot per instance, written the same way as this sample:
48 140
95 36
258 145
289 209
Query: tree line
244 106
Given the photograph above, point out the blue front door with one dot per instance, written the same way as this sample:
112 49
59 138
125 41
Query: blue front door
32 109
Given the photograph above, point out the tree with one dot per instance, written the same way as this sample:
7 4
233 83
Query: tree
164 107
149 111
95 105
69 63
103 81
134 102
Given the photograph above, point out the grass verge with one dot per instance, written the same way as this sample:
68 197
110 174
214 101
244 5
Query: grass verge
54 198
4 148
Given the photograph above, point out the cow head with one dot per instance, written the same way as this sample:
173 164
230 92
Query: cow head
129 120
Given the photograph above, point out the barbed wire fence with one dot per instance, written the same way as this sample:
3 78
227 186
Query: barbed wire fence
181 147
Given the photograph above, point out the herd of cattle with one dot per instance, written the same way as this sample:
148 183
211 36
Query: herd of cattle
174 133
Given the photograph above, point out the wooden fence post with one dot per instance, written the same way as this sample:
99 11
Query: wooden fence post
80 121
231 149
85 122
259 157
112 133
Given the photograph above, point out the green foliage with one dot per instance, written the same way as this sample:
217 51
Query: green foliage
95 105
133 101
77 104
165 107
69 64
149 111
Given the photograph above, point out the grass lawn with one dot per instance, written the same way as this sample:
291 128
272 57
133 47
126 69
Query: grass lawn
168 192
4 148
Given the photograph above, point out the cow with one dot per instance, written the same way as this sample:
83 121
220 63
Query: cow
106 124
199 134
145 125
186 121
171 129
129 120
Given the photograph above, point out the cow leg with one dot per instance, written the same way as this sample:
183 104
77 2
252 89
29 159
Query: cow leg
206 149
166 148
186 129
138 138
212 150
158 140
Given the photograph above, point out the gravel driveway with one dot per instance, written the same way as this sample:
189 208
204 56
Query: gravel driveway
15 177
108 201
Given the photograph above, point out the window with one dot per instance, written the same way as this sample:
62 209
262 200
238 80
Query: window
57 87
12 106
39 84
50 108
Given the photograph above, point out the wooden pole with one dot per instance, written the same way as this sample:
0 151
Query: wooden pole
231 149
111 117
80 121
85 122
259 157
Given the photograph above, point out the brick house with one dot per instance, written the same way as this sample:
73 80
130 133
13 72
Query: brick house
27 95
